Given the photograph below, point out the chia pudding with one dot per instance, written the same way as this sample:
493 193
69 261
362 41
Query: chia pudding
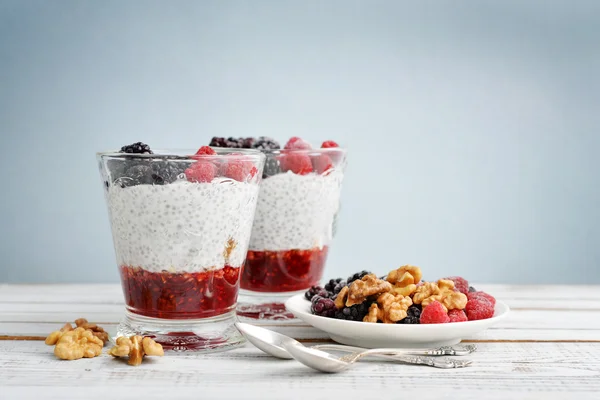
181 227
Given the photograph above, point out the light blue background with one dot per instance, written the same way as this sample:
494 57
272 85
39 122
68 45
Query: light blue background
473 126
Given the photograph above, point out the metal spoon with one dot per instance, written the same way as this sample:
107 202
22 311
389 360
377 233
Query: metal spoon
326 362
273 343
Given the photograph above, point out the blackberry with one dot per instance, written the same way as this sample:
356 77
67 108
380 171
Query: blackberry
271 166
329 286
323 306
248 143
136 148
315 291
357 276
413 315
230 142
356 312
164 172
265 143
472 289
137 175
339 286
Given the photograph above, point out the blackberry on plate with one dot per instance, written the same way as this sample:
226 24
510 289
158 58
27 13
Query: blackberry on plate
357 276
339 286
329 286
265 143
323 307
315 291
413 315
356 312
136 148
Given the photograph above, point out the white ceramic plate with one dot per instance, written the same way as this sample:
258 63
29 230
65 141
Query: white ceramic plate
369 335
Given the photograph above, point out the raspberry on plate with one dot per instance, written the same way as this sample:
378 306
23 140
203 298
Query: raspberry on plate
482 295
329 144
457 316
297 163
434 313
205 150
296 143
461 284
479 309
201 171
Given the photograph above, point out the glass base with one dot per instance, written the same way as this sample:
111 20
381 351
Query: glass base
199 335
253 306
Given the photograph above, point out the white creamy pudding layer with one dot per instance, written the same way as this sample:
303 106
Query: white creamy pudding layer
183 226
296 211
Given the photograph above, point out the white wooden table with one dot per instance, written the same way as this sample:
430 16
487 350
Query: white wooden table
548 348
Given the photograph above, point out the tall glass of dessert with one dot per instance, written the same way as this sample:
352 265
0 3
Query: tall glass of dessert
181 223
294 225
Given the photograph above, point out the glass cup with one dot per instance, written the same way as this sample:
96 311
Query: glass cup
293 228
181 226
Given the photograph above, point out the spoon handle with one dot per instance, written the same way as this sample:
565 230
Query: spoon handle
440 351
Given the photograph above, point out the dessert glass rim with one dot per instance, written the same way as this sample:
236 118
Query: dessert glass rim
327 150
186 154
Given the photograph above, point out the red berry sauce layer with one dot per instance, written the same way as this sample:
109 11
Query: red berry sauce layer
283 271
180 295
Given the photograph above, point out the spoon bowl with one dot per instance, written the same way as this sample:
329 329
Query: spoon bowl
266 340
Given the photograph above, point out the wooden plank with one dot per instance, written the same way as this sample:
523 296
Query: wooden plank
308 332
501 371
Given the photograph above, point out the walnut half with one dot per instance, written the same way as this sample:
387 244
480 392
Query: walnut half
76 344
136 347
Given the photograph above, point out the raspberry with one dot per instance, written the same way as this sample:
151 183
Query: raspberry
461 284
413 315
322 163
315 291
205 150
329 144
296 143
482 295
297 163
238 169
434 313
323 306
356 276
137 148
457 316
479 309
201 171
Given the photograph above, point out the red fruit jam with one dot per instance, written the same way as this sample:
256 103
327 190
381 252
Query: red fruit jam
180 295
283 271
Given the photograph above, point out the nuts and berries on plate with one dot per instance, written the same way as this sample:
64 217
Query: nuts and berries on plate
401 297
135 348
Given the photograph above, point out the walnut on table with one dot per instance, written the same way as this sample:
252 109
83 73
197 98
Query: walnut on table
405 279
96 330
442 291
74 344
136 347
389 308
